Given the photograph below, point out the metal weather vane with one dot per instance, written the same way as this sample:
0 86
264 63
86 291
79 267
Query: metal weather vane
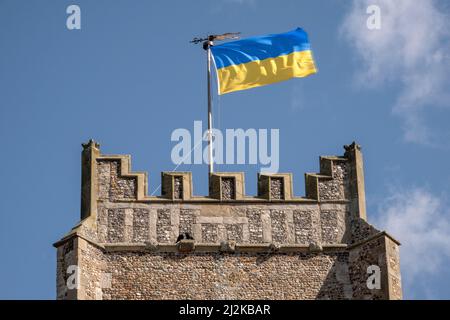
218 37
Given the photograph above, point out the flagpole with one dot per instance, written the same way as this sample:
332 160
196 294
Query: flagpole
208 45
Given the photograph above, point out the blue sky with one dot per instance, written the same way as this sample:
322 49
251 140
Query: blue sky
130 77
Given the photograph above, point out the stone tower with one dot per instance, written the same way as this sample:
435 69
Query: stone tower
272 246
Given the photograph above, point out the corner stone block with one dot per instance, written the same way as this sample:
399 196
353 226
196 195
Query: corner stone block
356 180
91 151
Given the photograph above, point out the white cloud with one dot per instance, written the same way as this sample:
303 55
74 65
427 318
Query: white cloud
412 49
421 222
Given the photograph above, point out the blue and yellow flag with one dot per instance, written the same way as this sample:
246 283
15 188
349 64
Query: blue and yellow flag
258 61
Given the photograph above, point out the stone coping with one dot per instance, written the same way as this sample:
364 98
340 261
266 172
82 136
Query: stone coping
219 247
377 235
215 184
229 246
246 200
181 190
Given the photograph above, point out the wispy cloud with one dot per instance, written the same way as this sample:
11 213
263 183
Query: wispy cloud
412 49
420 220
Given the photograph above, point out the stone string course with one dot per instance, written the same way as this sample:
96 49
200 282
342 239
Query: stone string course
331 243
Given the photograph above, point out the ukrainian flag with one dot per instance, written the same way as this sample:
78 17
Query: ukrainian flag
258 61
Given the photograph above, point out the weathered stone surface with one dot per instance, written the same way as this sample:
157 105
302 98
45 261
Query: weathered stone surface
361 230
209 232
234 232
337 187
279 228
66 257
304 227
228 190
244 247
187 220
333 225
163 225
116 225
141 226
370 253
92 271
255 227
178 187
111 185
228 246
224 276
186 246
276 188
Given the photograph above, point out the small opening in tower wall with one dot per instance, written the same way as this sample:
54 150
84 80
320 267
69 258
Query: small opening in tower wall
277 188
228 189
178 187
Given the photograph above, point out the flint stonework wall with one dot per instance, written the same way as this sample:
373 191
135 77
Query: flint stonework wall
301 224
272 246
282 223
66 256
136 275
379 251
92 271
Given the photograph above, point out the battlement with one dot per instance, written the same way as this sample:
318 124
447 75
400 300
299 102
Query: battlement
339 179
120 222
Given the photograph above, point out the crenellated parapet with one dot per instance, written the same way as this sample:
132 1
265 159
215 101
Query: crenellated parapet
110 176
119 218
115 202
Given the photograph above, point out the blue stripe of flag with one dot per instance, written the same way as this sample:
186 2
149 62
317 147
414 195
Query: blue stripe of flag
260 48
